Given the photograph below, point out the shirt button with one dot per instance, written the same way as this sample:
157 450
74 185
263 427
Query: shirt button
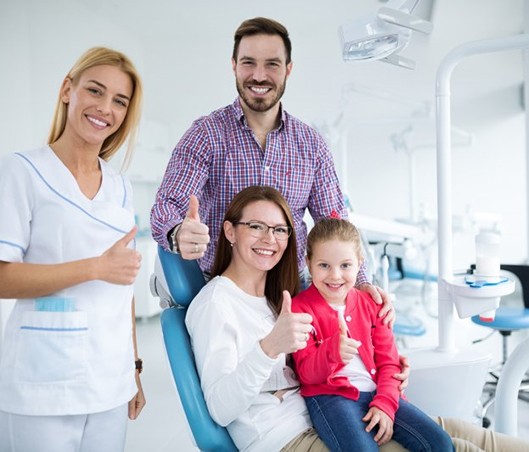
348 318
267 168
373 371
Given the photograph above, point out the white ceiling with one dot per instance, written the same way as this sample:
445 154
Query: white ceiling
193 40
183 51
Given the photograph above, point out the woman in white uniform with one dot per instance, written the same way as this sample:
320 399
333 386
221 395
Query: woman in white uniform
69 369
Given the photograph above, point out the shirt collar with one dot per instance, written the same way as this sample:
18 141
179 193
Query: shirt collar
239 113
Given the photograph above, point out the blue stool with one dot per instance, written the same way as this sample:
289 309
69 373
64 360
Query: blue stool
507 320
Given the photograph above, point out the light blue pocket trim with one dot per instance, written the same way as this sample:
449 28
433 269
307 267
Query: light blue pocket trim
55 304
35 328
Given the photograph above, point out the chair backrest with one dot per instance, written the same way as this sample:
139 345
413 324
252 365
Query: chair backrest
184 280
522 272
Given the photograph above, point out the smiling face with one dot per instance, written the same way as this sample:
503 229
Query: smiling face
251 251
261 71
97 103
334 266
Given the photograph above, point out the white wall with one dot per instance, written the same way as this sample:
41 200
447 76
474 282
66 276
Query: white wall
183 50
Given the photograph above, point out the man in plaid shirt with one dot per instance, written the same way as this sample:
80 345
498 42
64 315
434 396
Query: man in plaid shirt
253 141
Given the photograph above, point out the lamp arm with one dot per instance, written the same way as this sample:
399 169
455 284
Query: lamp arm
403 19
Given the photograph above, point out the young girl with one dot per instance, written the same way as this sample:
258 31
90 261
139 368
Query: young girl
346 371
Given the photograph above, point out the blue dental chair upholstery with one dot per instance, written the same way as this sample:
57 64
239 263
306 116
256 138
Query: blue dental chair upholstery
184 280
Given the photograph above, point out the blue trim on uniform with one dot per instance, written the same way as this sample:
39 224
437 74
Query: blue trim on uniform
38 328
13 244
66 199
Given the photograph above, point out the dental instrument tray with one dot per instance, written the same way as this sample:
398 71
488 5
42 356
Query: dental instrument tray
478 281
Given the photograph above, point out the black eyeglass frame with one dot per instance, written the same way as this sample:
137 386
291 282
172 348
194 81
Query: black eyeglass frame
274 228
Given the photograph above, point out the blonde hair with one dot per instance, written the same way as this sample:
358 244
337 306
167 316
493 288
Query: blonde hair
99 56
334 229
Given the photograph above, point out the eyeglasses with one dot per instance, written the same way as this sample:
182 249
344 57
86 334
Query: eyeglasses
260 230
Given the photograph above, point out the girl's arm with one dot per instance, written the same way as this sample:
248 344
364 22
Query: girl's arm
319 359
387 364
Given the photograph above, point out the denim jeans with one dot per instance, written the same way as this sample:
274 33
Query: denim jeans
339 424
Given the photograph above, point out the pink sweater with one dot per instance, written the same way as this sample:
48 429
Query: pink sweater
318 363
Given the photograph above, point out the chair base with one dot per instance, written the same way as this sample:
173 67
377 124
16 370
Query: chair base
489 390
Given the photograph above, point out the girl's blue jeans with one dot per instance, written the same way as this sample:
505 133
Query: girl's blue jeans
339 424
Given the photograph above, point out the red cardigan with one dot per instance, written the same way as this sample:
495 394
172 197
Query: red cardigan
318 363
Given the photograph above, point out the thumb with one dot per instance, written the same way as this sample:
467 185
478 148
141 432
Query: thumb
128 237
192 211
286 305
343 327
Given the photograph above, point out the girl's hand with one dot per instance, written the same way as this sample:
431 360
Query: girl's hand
375 417
348 346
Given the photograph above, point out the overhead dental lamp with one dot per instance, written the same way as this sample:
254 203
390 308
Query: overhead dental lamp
382 35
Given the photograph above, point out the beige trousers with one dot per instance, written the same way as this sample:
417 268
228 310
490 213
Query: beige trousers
466 437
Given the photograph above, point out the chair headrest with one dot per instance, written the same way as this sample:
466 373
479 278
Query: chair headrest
184 277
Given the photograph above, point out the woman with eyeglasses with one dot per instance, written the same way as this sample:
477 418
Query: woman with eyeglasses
241 327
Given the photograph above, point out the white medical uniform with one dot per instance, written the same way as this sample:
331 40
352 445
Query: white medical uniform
78 360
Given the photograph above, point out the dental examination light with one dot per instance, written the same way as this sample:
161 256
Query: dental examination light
382 35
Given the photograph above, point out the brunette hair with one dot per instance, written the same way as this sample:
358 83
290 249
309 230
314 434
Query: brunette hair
284 276
264 26
99 56
334 229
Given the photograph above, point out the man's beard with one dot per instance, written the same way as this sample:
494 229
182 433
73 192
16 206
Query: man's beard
261 105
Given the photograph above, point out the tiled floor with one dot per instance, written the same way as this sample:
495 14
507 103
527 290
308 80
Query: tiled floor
162 426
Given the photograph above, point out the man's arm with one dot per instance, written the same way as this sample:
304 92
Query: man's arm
185 175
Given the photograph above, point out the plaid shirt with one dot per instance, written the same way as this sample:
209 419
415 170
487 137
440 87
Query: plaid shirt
219 156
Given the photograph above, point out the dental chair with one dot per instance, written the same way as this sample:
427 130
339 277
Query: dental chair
183 280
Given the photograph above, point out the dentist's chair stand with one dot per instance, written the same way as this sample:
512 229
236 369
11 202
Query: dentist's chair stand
183 280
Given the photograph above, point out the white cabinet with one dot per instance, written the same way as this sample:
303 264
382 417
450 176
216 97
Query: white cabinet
146 304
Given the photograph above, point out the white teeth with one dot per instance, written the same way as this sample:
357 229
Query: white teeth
264 252
97 122
260 90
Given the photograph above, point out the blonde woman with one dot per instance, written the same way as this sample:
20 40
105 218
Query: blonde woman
69 373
